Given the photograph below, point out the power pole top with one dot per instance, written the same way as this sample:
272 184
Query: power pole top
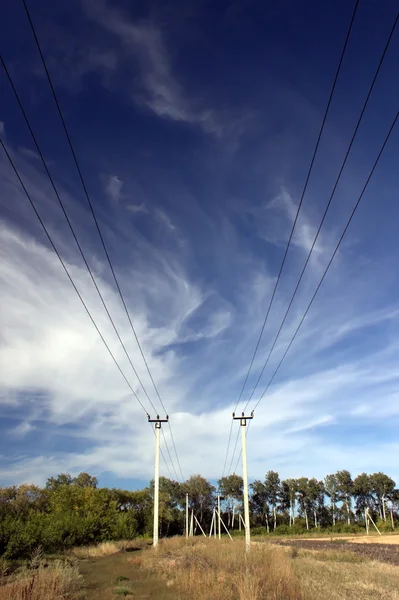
243 419
158 421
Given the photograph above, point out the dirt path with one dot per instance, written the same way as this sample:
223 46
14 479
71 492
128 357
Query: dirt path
120 575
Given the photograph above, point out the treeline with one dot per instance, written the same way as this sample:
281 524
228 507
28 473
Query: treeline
70 511
333 502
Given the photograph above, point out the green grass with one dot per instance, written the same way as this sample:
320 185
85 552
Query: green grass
121 578
123 591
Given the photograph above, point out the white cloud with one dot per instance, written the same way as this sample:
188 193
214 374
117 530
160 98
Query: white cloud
283 206
137 208
29 153
165 219
48 344
113 187
22 429
159 89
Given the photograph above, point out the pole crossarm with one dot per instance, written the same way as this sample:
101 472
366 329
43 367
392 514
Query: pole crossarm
158 421
243 419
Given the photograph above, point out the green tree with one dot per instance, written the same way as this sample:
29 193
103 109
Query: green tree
363 492
315 494
304 498
170 497
345 491
272 485
258 502
231 488
200 496
382 487
288 492
331 489
85 480
54 482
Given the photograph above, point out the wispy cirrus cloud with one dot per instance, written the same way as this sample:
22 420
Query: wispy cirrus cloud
113 187
197 337
137 208
158 88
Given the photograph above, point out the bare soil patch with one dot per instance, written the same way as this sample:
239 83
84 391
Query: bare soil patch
392 539
383 552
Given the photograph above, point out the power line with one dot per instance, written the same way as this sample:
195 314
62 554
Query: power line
328 205
95 219
295 220
322 221
76 239
331 259
70 278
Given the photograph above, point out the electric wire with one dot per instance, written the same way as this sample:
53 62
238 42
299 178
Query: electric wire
96 221
380 63
71 279
295 220
76 239
329 263
328 204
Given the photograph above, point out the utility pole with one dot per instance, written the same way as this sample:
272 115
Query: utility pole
187 515
243 425
158 423
219 532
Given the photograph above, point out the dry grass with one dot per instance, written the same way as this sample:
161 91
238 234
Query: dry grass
203 569
206 569
56 581
106 548
336 575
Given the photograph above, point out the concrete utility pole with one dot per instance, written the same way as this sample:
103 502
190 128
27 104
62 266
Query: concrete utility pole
219 532
243 424
157 422
186 515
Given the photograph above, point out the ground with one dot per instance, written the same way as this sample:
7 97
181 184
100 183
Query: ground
309 568
347 567
384 551
119 575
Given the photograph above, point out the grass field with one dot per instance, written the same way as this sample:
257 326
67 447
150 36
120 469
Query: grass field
201 568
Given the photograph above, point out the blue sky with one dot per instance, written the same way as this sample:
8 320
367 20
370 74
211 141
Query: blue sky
194 123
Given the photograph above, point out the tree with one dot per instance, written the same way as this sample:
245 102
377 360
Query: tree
345 490
272 486
393 498
363 492
288 491
170 497
316 498
84 480
382 486
231 487
200 496
53 483
258 502
331 488
303 498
